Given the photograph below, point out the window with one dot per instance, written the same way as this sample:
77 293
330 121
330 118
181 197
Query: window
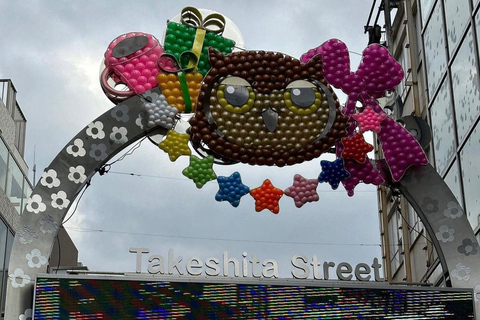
15 185
443 128
3 244
395 239
414 223
466 93
471 176
435 53
8 250
20 127
456 14
3 164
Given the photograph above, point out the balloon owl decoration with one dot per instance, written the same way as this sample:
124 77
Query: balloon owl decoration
263 108
266 108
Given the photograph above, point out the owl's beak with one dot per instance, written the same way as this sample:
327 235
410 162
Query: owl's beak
270 118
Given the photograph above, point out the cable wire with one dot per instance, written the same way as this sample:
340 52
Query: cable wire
221 239
76 205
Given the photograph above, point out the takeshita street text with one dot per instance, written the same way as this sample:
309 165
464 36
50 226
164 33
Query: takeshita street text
252 266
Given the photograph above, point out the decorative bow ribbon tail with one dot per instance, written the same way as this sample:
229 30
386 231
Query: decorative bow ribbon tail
361 172
400 148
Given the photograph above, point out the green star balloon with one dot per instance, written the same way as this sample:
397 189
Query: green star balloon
200 170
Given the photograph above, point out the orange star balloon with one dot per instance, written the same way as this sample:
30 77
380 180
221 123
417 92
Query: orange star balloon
266 197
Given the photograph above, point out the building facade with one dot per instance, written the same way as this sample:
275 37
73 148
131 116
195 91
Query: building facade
436 42
15 188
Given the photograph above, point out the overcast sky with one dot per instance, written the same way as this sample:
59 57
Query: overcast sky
53 52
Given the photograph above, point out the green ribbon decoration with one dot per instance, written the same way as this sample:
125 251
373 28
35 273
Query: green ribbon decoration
180 67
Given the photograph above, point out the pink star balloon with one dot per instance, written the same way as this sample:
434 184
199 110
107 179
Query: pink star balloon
369 120
303 190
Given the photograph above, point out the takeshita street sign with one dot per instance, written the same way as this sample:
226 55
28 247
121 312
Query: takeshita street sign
252 266
253 107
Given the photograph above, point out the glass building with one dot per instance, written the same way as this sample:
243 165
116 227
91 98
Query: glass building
15 188
437 43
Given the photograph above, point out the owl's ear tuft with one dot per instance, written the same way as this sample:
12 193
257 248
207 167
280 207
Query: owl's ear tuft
214 54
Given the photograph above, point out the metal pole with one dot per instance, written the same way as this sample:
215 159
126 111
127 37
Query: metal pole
413 51
388 24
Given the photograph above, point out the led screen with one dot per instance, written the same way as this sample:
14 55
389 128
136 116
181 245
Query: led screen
86 298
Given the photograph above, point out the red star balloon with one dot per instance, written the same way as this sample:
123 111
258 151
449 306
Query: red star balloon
356 148
266 197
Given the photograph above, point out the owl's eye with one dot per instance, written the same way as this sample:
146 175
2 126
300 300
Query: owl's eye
235 95
303 97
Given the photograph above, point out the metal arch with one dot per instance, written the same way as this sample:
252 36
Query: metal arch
46 208
446 224
49 203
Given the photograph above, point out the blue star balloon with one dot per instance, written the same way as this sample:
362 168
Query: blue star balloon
333 172
231 189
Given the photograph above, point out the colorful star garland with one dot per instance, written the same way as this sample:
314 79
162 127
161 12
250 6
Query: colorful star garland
200 170
266 197
175 144
333 172
231 189
303 190
356 148
369 120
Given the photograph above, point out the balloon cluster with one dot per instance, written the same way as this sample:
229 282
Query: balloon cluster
160 113
303 190
400 149
137 69
333 172
378 73
241 134
175 144
263 108
266 197
180 38
355 148
171 88
200 170
231 189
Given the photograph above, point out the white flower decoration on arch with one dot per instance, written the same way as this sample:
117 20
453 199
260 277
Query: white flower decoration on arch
76 149
140 121
95 130
35 204
120 113
77 174
445 234
47 225
19 278
27 235
49 179
98 151
453 210
26 315
59 200
119 135
461 272
35 259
